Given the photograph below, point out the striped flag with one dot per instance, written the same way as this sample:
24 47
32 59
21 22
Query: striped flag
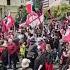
8 22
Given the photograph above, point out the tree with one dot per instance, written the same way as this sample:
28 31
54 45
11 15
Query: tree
21 15
60 11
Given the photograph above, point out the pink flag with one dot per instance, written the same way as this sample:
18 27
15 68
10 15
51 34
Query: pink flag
33 19
10 22
4 28
28 7
7 22
66 37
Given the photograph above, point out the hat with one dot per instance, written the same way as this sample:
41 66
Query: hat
25 63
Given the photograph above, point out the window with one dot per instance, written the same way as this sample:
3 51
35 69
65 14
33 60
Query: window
8 2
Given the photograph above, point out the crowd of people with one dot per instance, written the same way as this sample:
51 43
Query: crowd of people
38 48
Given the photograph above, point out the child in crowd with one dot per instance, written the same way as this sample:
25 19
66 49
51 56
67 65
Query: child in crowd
22 49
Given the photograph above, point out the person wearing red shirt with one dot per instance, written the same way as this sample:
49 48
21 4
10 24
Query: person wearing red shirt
12 52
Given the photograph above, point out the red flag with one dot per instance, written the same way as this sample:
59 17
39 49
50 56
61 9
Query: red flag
7 22
10 22
28 7
4 28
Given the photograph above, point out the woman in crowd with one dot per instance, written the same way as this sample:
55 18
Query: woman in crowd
32 52
12 53
65 57
44 61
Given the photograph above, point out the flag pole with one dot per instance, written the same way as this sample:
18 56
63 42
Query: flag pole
14 30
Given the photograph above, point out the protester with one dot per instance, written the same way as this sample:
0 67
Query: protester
22 49
5 58
32 52
65 57
12 50
39 45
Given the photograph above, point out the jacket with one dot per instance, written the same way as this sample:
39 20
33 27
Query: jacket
12 48
32 51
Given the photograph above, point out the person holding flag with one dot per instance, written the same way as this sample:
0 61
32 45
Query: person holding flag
8 23
32 18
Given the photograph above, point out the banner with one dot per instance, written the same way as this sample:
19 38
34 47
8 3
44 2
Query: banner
33 19
7 23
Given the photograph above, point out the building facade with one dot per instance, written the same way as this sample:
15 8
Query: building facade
10 5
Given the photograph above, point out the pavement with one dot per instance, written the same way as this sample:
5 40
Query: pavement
19 67
56 66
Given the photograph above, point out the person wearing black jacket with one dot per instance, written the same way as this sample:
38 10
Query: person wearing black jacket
44 60
32 52
4 58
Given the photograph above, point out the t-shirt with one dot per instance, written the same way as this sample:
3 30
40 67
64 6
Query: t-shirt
40 60
22 50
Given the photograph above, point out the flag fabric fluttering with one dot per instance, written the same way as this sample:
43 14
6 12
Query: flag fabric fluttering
10 22
28 7
33 19
7 22
4 28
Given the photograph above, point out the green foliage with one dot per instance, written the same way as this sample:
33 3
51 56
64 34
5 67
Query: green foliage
37 4
60 11
21 15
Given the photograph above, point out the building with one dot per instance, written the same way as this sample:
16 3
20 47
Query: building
10 5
